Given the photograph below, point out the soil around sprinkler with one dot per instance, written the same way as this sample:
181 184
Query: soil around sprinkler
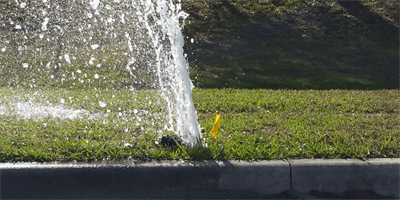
171 141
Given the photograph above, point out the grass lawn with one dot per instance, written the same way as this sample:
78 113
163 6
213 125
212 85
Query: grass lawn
255 124
276 124
295 79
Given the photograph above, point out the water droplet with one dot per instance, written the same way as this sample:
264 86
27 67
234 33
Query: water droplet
123 18
91 61
66 56
94 4
102 104
95 46
44 25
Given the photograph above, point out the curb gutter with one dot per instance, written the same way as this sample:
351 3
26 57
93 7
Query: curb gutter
286 179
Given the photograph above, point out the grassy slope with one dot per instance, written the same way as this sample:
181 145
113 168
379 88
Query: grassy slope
293 44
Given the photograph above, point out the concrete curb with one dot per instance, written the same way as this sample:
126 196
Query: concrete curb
343 176
277 179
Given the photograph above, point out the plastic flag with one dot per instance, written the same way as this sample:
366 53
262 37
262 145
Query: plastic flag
214 130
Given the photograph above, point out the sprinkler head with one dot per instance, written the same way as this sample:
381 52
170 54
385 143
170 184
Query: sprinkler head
171 141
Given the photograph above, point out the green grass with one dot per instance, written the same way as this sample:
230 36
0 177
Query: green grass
276 124
127 118
293 44
323 80
255 124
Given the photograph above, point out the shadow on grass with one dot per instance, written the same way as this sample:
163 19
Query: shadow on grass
371 19
320 48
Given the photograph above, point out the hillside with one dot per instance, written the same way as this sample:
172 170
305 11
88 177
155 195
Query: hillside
293 44
274 44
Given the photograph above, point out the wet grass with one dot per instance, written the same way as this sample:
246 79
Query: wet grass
255 124
108 122
313 79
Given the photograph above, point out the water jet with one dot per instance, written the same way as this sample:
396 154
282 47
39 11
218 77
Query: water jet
97 60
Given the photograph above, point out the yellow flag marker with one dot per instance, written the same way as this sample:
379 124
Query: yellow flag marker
214 130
